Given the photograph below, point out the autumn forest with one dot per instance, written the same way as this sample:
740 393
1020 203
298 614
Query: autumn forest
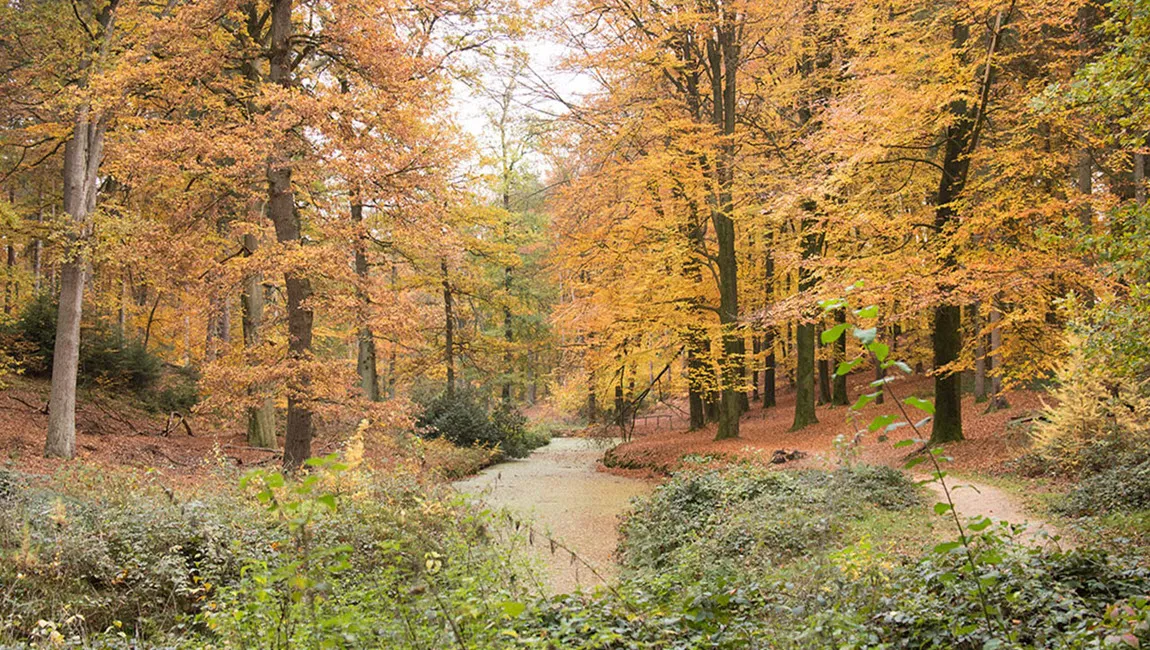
574 324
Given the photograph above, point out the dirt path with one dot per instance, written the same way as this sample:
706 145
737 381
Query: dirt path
559 488
976 499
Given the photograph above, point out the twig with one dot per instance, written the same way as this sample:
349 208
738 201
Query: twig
939 476
38 409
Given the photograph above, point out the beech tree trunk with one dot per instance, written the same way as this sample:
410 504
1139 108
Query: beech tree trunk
448 331
508 337
365 365
769 335
697 378
11 288
1140 178
723 52
979 351
82 154
262 418
824 366
284 215
997 399
839 395
805 336
961 139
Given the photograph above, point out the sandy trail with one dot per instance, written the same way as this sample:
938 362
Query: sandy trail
976 499
559 488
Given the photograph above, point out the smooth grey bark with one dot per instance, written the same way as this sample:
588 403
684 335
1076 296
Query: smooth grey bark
82 154
1140 179
262 418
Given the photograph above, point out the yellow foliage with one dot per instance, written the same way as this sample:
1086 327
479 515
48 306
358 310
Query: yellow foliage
1091 406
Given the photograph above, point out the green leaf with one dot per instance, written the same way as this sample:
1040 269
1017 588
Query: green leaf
904 443
917 460
833 334
901 365
920 404
963 630
880 350
880 421
946 547
865 335
832 304
845 367
941 508
867 312
327 500
862 401
274 480
981 524
512 608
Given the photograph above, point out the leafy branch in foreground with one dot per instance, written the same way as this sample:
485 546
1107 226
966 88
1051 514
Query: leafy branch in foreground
878 353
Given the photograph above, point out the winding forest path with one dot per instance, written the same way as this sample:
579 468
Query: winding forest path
559 488
977 499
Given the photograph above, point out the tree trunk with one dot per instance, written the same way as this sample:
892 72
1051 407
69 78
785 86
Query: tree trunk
979 352
262 418
805 336
756 349
11 288
365 364
82 155
839 395
769 399
1085 183
285 217
961 139
997 399
824 366
723 55
448 331
696 379
592 402
508 335
1140 178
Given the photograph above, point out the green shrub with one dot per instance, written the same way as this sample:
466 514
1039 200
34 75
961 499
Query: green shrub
465 421
1125 488
106 357
1016 596
752 515
177 391
35 330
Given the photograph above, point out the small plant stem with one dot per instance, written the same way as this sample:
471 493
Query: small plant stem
938 473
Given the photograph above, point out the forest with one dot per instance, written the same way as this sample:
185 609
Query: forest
589 324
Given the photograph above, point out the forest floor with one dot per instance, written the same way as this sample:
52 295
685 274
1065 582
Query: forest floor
993 439
114 432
